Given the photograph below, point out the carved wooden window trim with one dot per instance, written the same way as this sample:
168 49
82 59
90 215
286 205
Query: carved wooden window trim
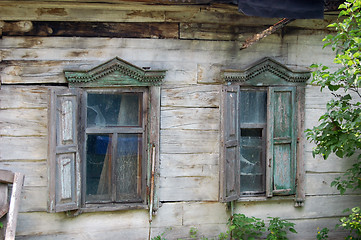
67 132
278 81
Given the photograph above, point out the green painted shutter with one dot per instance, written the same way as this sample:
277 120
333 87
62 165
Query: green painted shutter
64 160
282 141
230 172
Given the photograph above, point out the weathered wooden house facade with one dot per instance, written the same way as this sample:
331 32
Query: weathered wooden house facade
134 118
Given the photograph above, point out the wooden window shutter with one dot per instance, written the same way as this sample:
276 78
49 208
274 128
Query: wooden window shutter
281 141
63 152
230 172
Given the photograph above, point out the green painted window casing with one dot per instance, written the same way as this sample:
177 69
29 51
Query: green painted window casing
115 73
284 129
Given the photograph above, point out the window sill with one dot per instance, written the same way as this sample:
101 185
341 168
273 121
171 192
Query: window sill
112 207
264 198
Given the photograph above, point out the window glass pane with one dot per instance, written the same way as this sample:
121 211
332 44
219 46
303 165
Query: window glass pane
123 109
253 106
128 167
253 118
252 160
98 167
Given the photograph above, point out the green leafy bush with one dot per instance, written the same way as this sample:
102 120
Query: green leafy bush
278 229
352 223
339 131
243 227
323 234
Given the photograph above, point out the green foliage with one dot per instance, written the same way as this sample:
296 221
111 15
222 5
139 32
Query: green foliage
243 227
339 131
351 179
352 223
223 236
159 237
193 232
278 229
323 234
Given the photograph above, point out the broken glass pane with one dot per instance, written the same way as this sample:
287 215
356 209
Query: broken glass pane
113 109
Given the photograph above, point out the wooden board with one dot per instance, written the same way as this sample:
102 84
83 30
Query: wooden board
34 97
93 29
190 188
36 172
190 96
183 160
137 12
315 207
27 148
4 204
23 122
190 118
187 141
34 199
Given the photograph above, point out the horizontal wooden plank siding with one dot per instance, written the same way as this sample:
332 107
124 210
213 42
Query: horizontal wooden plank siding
39 40
23 122
94 29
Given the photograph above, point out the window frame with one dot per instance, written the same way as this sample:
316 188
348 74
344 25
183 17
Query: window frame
116 75
116 130
267 74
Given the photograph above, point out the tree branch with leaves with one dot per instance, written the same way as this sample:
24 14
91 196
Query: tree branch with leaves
339 131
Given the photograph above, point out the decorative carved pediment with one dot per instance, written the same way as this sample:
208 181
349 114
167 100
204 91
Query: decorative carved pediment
266 72
115 72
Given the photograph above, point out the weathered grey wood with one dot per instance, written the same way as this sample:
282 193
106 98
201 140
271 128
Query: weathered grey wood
14 206
166 44
315 207
139 233
49 223
154 138
23 122
4 205
34 199
131 13
93 29
308 228
189 141
190 118
6 176
332 164
35 171
207 31
85 223
23 97
200 213
167 170
190 96
185 160
63 150
189 188
229 163
27 148
300 161
317 184
207 231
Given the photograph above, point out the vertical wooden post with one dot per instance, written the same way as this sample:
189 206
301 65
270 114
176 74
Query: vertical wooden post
14 206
